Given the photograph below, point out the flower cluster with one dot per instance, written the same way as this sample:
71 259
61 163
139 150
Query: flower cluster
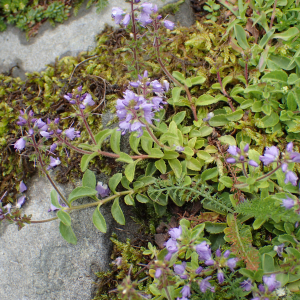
184 270
147 12
271 155
137 111
264 291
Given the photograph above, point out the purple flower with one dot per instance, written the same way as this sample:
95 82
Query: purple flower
144 19
175 233
157 87
218 252
231 263
168 24
21 121
203 251
102 189
53 162
271 282
54 208
205 285
253 163
147 8
234 150
166 85
71 133
279 249
117 14
21 201
186 291
220 276
88 100
126 20
41 125
284 167
198 270
53 147
45 134
291 177
246 148
171 246
20 144
246 285
22 187
208 117
209 262
158 273
179 148
226 253
231 160
295 157
261 288
289 147
288 203
270 155
179 269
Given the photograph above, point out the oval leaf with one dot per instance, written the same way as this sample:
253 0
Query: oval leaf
117 212
64 217
99 220
114 181
89 179
67 233
81 192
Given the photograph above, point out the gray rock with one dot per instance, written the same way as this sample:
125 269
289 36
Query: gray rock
70 38
185 16
36 263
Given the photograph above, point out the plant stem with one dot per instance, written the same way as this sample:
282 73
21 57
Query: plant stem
78 207
259 178
244 170
155 139
87 126
157 48
134 37
46 173
273 14
167 293
224 92
246 73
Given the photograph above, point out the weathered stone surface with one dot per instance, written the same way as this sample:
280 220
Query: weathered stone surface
36 263
185 15
70 38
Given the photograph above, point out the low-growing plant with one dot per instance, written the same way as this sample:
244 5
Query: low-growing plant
217 149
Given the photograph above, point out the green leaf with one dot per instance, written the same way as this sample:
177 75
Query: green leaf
54 199
67 233
241 36
99 220
277 76
193 164
150 169
197 80
142 198
130 171
294 252
170 154
288 34
124 157
227 139
176 166
156 153
227 181
201 132
178 118
270 121
176 94
266 38
159 209
287 238
115 141
89 179
268 263
197 230
114 181
129 200
64 217
161 166
179 76
101 136
215 228
81 192
188 151
206 100
85 159
134 142
258 223
146 142
117 212
235 116
219 120
209 174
